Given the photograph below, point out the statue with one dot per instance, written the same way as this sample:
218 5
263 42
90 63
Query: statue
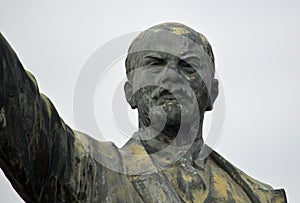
170 71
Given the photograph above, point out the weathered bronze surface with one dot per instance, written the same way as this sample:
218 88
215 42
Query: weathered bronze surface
47 161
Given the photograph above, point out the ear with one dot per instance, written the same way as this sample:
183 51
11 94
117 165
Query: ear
214 90
129 94
213 94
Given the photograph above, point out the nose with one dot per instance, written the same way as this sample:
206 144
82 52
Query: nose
173 65
171 73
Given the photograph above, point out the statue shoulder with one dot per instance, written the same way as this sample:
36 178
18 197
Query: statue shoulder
131 159
256 190
103 152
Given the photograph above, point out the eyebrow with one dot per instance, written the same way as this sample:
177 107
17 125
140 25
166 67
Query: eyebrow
153 56
190 58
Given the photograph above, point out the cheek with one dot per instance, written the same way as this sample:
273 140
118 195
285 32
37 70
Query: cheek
200 88
144 78
143 97
201 80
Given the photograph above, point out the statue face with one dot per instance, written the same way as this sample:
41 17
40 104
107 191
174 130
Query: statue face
172 75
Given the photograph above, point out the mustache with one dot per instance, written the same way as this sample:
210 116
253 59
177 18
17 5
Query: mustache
159 92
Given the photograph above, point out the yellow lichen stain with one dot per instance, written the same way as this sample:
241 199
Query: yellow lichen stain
187 177
280 199
171 174
189 78
203 38
199 196
80 142
136 160
179 31
261 189
221 184
138 150
81 139
48 104
32 78
237 195
63 124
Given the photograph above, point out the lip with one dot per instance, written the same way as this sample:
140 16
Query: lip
164 94
168 96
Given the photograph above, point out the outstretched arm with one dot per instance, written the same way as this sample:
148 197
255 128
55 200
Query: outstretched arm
44 159
36 147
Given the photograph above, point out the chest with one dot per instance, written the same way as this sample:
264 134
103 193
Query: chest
186 183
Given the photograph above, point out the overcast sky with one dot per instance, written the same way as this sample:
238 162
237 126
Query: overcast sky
256 46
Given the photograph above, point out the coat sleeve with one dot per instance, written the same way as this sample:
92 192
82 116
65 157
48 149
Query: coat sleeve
39 154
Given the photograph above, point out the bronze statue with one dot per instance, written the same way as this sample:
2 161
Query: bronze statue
170 71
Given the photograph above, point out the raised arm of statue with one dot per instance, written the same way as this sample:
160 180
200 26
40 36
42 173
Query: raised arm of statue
43 158
36 147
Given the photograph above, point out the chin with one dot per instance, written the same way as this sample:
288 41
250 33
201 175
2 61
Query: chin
173 121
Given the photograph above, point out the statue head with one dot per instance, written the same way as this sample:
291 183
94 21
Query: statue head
170 67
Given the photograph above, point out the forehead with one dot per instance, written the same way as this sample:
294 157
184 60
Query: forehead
169 43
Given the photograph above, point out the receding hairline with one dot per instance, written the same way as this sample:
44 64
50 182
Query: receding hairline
174 28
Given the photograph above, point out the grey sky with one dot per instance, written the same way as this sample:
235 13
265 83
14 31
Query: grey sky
256 46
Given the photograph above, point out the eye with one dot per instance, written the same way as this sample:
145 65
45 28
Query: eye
154 61
157 62
186 68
